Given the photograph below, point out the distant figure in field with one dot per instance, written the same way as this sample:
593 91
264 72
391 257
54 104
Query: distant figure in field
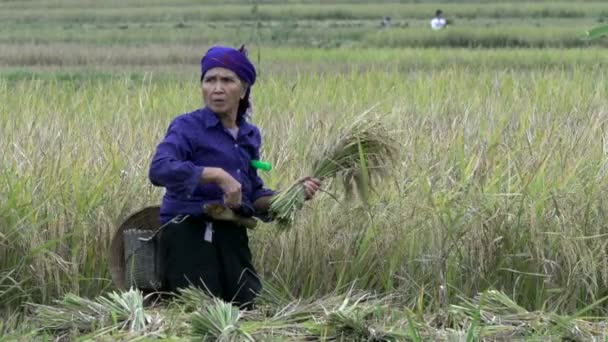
386 22
439 21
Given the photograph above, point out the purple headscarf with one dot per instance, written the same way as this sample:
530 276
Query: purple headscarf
235 60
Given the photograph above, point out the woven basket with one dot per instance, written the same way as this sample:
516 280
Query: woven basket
133 261
142 266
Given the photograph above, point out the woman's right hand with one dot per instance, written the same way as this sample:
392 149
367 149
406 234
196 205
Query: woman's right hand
231 188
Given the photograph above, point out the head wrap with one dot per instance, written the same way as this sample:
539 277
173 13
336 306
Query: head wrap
229 58
235 60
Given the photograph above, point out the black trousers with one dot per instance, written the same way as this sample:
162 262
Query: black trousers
219 263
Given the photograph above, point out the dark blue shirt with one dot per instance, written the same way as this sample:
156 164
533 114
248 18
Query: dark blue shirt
197 140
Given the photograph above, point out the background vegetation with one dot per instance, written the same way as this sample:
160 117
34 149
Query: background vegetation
500 184
305 23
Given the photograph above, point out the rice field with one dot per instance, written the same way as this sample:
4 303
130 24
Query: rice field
305 23
491 225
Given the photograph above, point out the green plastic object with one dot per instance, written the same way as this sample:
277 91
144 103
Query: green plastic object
261 165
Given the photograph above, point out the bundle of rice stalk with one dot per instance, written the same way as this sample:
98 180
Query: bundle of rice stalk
130 306
354 319
192 298
359 155
121 311
500 316
218 322
73 312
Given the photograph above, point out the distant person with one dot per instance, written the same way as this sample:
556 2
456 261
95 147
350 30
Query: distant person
439 22
386 22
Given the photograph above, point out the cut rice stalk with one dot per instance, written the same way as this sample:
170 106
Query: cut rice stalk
360 155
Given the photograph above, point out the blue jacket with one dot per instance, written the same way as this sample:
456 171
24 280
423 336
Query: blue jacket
197 140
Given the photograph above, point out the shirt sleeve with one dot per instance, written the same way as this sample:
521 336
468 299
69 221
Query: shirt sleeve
171 165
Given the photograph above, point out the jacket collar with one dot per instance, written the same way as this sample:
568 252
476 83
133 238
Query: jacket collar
210 119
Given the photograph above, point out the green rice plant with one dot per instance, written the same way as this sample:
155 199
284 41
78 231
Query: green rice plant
358 156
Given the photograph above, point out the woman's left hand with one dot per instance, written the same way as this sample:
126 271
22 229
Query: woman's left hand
311 186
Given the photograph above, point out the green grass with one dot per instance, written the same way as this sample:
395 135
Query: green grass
195 12
73 61
473 24
134 3
492 36
557 34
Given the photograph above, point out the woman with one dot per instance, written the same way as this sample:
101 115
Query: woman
205 158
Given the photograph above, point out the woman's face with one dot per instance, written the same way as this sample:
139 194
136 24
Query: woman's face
222 91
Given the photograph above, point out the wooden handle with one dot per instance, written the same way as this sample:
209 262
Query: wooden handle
221 212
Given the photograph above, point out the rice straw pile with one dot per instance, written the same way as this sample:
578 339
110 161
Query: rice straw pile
359 155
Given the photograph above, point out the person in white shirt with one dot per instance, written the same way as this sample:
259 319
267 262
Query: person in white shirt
439 22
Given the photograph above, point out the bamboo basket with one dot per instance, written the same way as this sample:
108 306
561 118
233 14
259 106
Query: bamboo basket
135 252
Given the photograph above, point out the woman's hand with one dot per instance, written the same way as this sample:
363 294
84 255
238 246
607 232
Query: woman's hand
311 186
232 190
230 186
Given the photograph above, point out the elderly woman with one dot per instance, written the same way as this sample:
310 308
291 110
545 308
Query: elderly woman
204 159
